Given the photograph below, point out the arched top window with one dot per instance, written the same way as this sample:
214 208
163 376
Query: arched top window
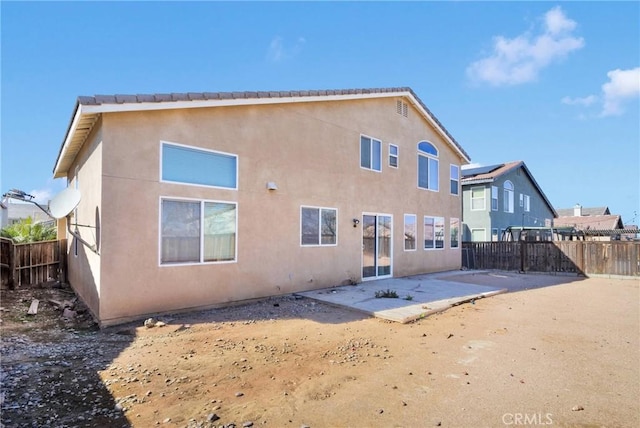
428 175
508 196
428 148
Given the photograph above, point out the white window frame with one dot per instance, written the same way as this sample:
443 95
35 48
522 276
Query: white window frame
454 221
521 200
494 197
200 149
371 157
201 262
319 244
509 192
494 233
415 240
431 160
393 156
527 203
484 198
453 167
435 233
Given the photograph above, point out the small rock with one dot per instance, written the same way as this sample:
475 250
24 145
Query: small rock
577 408
381 411
150 322
212 417
166 421
69 314
239 394
247 424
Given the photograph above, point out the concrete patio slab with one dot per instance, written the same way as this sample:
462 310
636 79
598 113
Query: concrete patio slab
418 296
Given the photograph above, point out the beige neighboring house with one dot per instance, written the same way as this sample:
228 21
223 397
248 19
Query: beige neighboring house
198 200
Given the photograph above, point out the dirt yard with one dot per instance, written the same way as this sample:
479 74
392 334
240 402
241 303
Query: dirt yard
564 355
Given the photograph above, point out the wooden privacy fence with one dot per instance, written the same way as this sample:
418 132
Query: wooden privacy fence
34 263
580 257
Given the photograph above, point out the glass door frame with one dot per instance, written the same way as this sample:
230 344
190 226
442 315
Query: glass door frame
377 255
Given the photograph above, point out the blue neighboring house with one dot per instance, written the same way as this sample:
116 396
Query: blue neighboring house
497 196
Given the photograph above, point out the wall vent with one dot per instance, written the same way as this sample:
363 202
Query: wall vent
402 108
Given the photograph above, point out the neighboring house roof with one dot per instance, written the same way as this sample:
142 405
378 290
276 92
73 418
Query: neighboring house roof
88 109
489 174
562 212
590 222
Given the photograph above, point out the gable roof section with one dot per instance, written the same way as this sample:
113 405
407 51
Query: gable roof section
568 212
88 110
489 174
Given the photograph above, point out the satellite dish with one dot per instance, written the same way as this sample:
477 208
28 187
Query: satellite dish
64 202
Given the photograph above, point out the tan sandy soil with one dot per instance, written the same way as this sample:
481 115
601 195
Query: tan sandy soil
563 355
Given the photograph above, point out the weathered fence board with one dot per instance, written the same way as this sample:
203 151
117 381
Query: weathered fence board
33 263
580 257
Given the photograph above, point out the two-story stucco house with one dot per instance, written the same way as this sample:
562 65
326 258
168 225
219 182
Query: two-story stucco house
197 200
498 196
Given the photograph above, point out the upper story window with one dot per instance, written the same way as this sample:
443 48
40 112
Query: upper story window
370 153
427 166
190 165
477 199
455 179
508 196
494 198
527 203
393 155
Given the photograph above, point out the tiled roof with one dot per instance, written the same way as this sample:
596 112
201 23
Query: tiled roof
202 96
88 109
585 211
597 222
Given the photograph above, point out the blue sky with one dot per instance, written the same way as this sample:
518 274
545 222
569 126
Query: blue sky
556 85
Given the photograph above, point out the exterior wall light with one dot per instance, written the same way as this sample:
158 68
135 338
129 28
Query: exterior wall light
355 222
272 185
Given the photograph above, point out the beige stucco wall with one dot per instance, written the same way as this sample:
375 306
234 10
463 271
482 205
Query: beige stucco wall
83 264
310 150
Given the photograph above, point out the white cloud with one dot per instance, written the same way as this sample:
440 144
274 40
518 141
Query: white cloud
622 86
278 51
520 59
584 101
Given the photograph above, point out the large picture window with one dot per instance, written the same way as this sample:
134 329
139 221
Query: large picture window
190 165
197 231
318 226
428 166
433 233
370 153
